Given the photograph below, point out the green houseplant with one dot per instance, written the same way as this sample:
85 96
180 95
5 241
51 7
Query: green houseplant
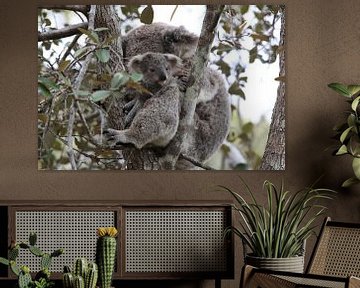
348 132
276 233
42 278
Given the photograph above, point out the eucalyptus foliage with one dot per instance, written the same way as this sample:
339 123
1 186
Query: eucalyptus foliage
60 60
279 229
348 132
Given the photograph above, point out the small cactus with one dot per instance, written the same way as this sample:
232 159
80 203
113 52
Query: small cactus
13 253
91 276
24 277
36 251
79 282
81 266
88 273
45 261
106 254
23 273
68 280
32 238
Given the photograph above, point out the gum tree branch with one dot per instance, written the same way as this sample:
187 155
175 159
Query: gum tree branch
73 107
76 8
207 35
274 155
62 33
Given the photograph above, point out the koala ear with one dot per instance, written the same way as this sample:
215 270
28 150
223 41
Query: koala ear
135 64
187 36
174 61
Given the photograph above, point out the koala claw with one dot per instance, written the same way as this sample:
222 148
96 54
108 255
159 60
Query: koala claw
113 137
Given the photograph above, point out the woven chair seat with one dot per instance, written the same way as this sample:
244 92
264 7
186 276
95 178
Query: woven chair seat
335 262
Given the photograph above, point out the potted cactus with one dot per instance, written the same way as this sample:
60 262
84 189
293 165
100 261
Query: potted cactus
42 278
84 274
106 254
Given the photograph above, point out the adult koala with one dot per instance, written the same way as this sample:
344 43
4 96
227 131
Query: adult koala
212 115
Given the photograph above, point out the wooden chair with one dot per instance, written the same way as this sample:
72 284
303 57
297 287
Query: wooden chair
335 262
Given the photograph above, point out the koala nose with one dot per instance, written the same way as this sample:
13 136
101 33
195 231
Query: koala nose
162 77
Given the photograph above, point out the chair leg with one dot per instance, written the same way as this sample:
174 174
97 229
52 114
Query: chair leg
246 274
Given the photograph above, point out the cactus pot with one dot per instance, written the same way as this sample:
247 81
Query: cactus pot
291 264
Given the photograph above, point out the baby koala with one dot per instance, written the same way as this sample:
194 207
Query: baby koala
156 122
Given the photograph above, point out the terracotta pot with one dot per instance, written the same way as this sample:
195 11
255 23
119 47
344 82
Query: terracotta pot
291 264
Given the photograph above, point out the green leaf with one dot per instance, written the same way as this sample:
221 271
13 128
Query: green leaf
260 37
235 89
92 35
103 55
147 15
63 65
48 83
100 95
345 134
356 167
355 103
101 29
351 120
136 77
82 93
349 182
80 52
253 54
244 9
43 90
119 79
4 261
340 88
342 150
353 89
225 68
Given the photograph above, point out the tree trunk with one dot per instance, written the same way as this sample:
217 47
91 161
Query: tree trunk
147 159
274 155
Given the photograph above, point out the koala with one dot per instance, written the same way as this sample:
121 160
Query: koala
156 122
211 118
162 38
159 38
212 114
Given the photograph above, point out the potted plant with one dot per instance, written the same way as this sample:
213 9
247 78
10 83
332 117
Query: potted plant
348 132
42 278
275 234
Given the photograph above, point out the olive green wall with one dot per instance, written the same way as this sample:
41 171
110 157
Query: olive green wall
323 46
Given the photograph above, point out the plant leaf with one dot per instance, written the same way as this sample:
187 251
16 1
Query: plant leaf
353 89
119 79
356 167
342 150
92 35
100 95
147 15
103 55
349 182
355 103
345 134
340 88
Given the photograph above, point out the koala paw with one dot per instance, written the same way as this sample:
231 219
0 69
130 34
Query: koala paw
114 137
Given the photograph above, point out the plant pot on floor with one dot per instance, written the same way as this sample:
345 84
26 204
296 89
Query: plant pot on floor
290 264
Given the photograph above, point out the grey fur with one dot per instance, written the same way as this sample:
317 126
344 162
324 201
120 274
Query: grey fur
154 124
159 38
212 114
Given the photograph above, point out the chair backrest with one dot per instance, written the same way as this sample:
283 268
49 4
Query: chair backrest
337 251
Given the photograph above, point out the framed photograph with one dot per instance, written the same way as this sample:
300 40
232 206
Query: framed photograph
161 87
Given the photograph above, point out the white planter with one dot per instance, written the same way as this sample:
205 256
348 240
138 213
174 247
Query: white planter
291 264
